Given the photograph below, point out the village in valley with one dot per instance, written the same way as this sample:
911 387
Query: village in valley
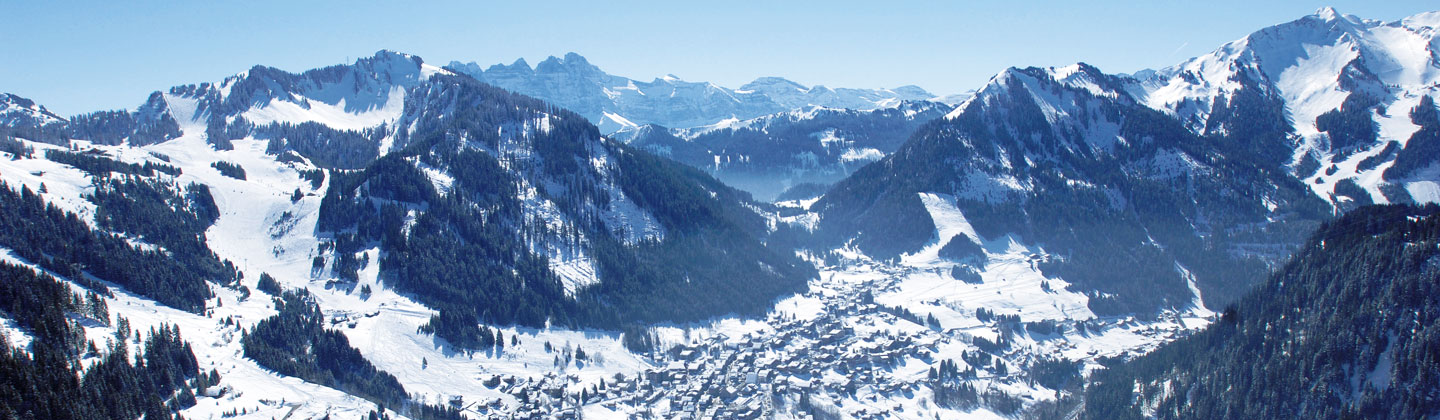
837 351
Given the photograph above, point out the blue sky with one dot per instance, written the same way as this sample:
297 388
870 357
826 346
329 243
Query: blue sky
80 56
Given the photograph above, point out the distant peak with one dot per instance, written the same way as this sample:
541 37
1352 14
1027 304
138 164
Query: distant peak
772 82
573 58
1008 73
519 66
572 63
913 90
1426 19
387 56
17 100
1086 67
9 102
1329 14
1002 80
1081 68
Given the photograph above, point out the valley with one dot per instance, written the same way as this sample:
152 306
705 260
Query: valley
392 239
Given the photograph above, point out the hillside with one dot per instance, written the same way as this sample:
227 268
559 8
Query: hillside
447 214
1065 159
1347 329
1215 168
1328 95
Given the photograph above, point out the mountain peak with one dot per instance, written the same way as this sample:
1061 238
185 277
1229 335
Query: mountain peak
1332 16
1004 76
519 63
773 82
573 82
1426 19
387 55
386 61
912 90
1046 86
9 100
572 63
574 58
15 107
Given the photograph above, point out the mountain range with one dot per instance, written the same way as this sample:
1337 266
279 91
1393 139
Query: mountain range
1223 163
393 238
616 103
769 155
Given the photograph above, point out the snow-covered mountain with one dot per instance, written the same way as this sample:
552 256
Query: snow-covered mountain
1066 160
562 194
462 251
421 203
1337 92
615 103
764 137
1224 160
24 118
453 241
766 156
15 110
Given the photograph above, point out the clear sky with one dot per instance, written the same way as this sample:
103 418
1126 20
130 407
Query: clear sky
80 56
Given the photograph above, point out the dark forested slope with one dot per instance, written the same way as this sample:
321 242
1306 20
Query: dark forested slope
1347 329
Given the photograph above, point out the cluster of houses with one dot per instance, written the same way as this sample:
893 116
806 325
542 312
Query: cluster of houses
842 362
747 377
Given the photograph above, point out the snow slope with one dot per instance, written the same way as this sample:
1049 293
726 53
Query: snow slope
262 231
1313 64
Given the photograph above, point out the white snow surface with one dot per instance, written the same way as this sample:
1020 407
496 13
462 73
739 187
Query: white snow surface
261 230
18 109
333 115
1312 64
1304 62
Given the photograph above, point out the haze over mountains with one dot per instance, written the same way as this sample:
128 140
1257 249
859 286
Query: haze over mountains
616 103
393 238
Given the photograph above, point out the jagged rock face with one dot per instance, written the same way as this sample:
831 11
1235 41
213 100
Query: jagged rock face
614 103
